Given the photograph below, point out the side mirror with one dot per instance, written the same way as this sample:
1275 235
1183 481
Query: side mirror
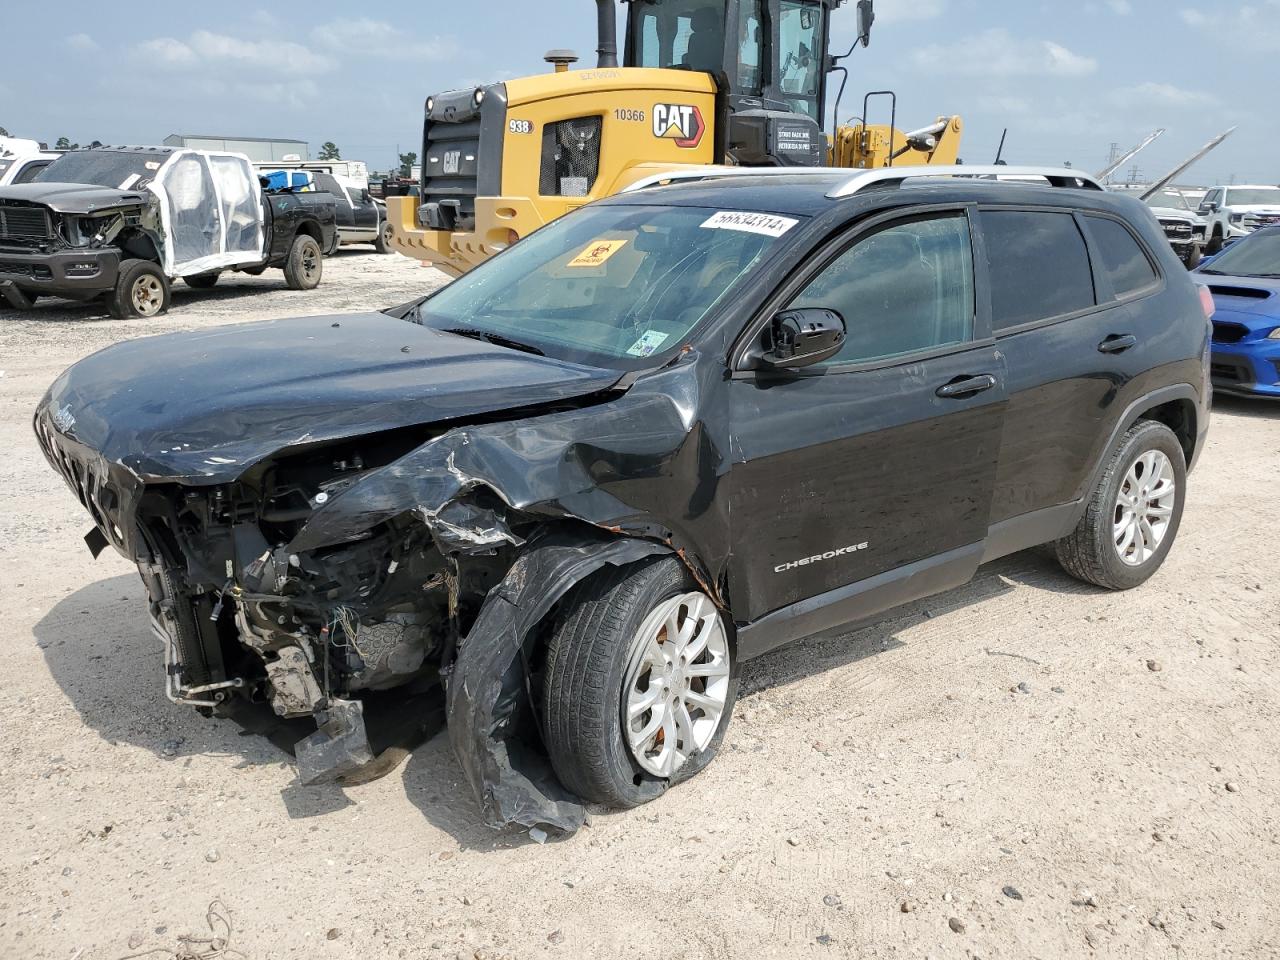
801 338
1209 207
866 17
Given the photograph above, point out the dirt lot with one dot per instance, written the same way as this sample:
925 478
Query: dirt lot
1024 767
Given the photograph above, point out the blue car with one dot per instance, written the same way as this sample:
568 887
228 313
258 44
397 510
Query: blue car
1245 282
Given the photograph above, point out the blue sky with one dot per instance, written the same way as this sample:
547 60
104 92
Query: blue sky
1067 79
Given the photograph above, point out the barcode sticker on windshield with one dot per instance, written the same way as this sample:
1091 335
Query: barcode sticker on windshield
766 224
648 344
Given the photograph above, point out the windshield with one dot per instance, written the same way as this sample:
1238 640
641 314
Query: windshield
105 168
1256 195
1255 256
1169 198
613 286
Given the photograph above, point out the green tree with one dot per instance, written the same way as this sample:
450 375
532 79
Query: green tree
3 132
329 151
407 160
65 144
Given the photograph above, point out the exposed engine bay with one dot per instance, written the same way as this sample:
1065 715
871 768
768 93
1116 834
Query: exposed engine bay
323 508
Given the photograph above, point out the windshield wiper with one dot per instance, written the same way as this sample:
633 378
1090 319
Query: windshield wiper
497 339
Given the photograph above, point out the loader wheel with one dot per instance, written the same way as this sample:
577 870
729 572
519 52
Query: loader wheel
305 264
142 290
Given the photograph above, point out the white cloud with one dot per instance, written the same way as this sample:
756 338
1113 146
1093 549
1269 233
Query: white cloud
205 48
997 53
899 11
167 52
1252 26
366 37
1151 94
1120 7
81 41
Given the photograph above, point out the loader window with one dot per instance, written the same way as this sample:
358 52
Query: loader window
613 285
750 46
801 54
681 34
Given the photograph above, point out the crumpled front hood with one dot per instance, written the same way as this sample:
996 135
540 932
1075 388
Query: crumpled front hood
205 406
80 198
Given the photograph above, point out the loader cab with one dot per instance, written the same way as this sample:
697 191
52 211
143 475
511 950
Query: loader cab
769 59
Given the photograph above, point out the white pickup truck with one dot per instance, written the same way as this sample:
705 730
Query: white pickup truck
1233 212
21 160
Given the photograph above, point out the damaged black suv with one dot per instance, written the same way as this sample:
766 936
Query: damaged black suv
665 434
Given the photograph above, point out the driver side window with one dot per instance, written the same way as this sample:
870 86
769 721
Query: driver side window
905 288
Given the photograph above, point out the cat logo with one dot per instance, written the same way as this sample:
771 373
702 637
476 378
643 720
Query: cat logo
678 122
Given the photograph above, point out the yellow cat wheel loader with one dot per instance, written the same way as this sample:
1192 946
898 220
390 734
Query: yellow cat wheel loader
702 83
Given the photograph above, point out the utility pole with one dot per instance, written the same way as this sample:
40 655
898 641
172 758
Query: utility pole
1113 157
1135 175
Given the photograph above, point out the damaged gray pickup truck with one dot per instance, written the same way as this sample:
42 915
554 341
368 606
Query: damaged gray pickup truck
671 431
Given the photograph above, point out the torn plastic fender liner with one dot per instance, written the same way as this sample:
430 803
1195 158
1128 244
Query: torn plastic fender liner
512 781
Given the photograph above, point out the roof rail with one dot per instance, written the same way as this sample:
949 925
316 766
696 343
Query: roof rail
694 172
886 176
892 176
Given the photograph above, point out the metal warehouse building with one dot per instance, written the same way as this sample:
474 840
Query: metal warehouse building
258 149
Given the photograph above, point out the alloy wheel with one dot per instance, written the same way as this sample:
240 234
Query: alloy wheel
1144 507
677 683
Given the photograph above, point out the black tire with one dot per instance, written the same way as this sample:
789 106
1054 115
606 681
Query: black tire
1215 244
1090 552
1194 256
142 290
383 243
582 694
304 266
202 281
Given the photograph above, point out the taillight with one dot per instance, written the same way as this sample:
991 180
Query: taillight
1206 301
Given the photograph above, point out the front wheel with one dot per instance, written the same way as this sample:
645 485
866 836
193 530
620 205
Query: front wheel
1133 515
142 290
1215 244
383 244
304 265
639 683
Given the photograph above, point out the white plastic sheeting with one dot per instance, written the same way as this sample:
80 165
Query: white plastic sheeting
211 212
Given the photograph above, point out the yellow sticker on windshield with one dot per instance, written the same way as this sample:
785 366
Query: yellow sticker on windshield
597 253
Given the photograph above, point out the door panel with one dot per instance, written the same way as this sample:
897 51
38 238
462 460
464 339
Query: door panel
825 464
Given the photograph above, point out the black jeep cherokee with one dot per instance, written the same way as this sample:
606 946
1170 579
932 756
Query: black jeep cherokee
661 436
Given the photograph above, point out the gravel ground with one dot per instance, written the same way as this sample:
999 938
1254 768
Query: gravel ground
1024 767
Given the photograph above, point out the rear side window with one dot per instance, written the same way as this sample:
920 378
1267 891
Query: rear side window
1039 266
1122 257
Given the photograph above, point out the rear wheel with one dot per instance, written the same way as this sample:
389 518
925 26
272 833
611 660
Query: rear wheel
202 281
142 290
383 243
639 684
305 264
1134 513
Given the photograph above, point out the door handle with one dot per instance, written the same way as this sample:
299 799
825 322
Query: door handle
966 386
1117 343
